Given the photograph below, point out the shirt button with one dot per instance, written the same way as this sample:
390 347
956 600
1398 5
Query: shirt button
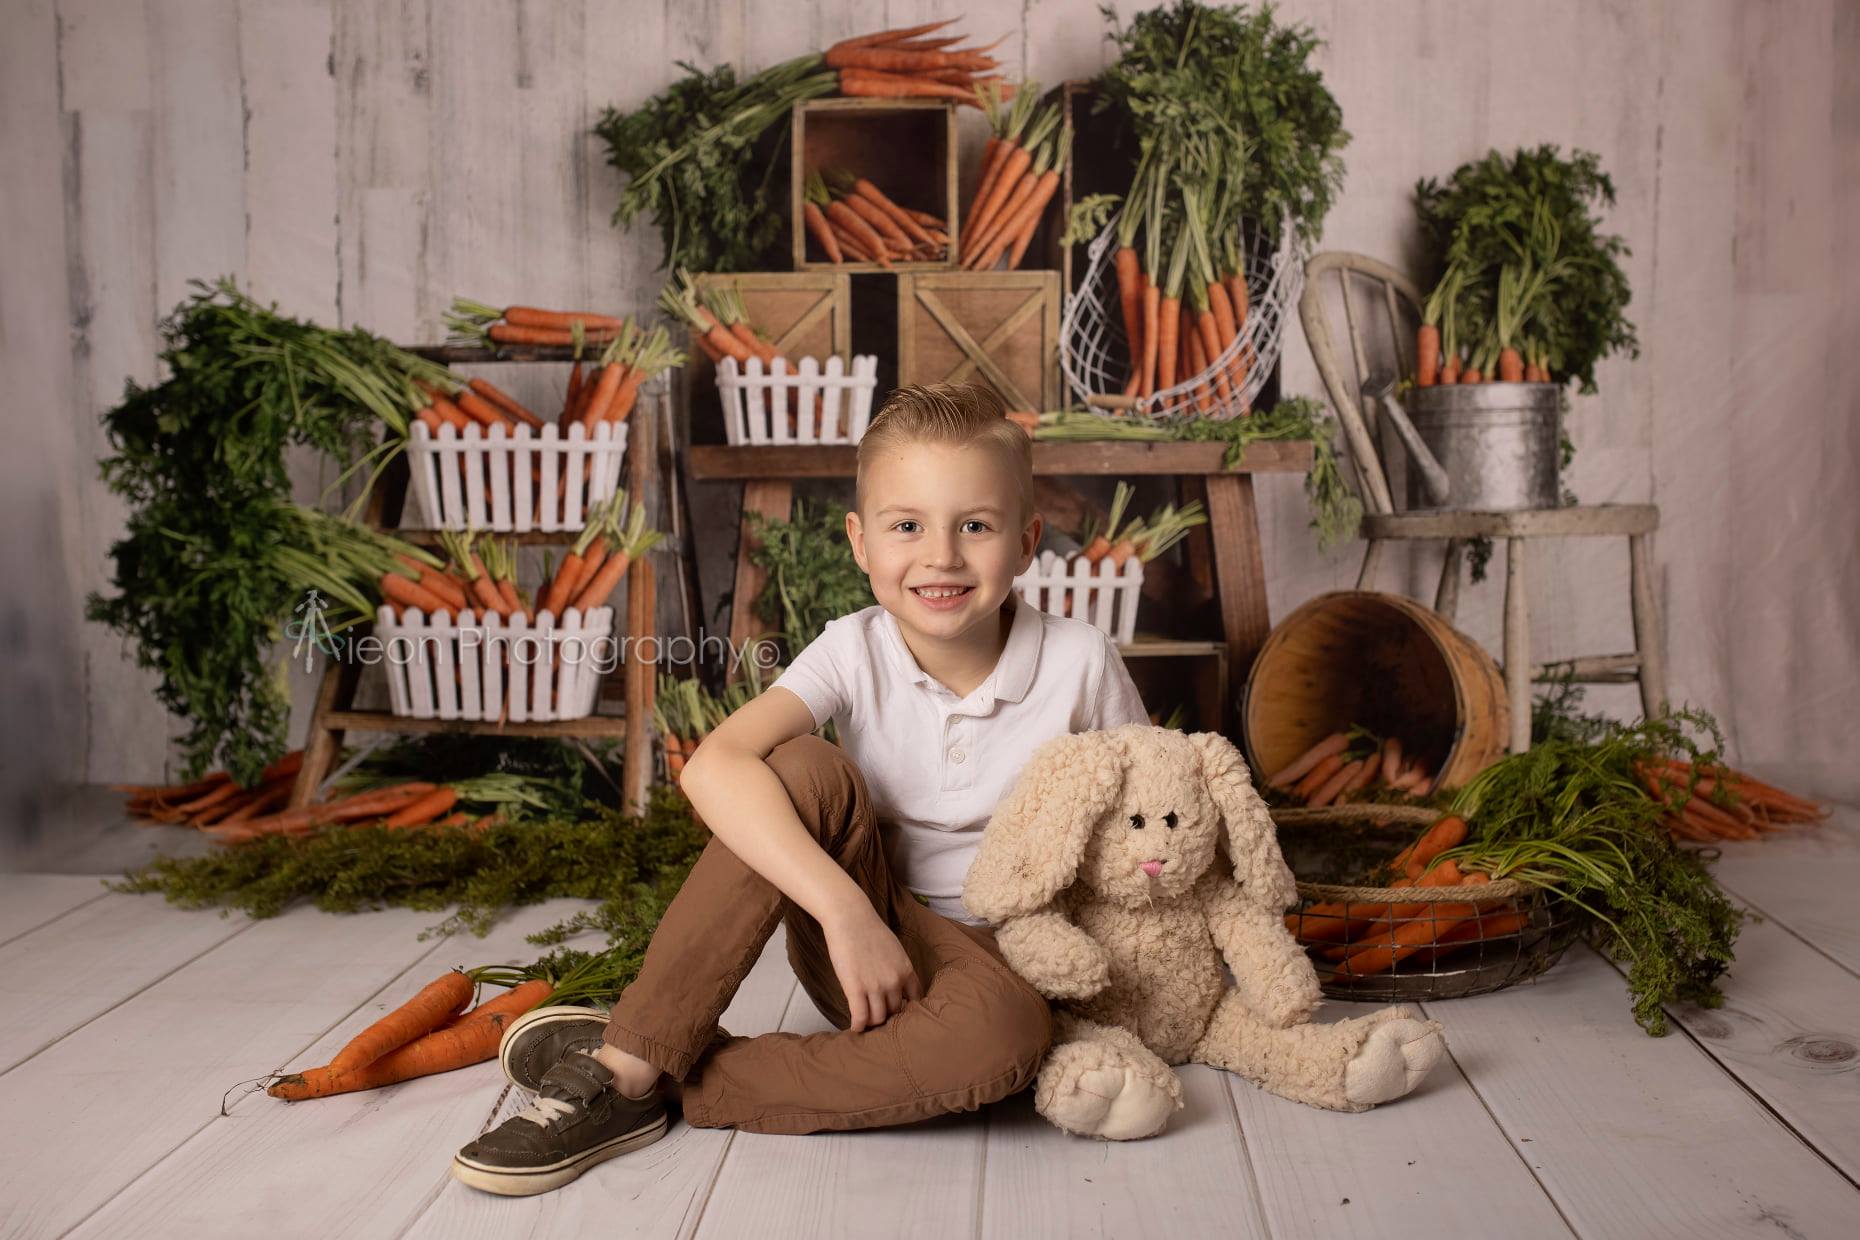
956 755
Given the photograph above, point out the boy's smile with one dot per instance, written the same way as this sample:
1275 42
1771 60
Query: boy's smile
941 538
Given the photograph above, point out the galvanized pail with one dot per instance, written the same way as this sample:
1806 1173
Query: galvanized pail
1496 441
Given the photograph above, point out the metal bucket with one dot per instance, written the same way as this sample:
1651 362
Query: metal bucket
1498 443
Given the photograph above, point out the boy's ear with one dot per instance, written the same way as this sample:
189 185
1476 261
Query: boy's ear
855 534
1030 541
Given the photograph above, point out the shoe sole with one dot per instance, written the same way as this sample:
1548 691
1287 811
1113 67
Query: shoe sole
533 1180
529 1020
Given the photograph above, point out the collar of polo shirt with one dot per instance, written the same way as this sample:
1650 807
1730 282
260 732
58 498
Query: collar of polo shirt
1013 670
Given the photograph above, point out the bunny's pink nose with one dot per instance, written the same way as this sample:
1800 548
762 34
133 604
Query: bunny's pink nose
1152 868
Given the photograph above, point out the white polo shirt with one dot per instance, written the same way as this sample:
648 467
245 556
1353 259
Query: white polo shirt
937 764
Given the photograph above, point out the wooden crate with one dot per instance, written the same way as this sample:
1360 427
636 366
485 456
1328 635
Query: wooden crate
1001 327
906 147
802 313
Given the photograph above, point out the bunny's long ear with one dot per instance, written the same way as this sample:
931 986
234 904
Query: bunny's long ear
1032 846
1252 843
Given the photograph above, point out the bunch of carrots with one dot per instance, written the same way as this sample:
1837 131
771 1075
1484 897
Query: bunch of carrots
1365 939
216 798
1021 166
1344 764
435 1032
847 215
479 323
594 565
721 326
1144 537
1183 297
414 803
913 62
1748 809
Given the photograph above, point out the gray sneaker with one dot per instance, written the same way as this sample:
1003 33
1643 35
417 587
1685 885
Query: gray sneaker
538 1040
577 1120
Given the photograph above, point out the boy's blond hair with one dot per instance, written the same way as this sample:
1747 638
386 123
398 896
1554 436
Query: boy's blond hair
958 414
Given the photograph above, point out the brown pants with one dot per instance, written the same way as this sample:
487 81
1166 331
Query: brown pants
978 1034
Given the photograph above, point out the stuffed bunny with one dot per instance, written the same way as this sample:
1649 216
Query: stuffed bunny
1120 872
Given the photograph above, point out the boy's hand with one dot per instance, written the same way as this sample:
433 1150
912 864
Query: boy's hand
874 973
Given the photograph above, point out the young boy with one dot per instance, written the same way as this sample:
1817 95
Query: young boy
941 693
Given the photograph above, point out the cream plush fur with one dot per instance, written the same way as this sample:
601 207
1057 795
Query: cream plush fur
1126 926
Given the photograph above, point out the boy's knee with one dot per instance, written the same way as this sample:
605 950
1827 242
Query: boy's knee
992 1045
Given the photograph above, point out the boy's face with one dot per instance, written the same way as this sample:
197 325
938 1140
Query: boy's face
939 533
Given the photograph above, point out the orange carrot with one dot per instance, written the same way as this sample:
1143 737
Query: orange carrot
1318 775
1152 336
1130 301
850 244
890 37
482 411
1391 760
1471 376
1207 325
1406 939
1510 366
1168 342
1331 922
844 216
1225 330
1014 167
509 404
880 220
561 320
994 236
509 1005
1450 369
822 231
512 333
596 592
442 1050
1371 765
873 84
1030 219
432 805
865 189
1301 766
1427 356
409 593
606 386
437 583
437 1000
1328 790
1447 832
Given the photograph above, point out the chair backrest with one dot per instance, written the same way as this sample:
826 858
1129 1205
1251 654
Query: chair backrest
1381 310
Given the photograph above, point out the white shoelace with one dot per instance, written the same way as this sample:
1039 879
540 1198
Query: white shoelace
545 1111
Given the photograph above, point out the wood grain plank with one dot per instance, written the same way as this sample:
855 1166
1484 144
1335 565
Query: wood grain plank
148 1075
1428 1165
1193 1180
659 1191
28 901
1803 881
68 972
916 1180
1630 1134
392 1147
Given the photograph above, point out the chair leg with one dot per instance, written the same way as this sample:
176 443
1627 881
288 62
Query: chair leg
1371 557
1649 636
1517 646
1447 595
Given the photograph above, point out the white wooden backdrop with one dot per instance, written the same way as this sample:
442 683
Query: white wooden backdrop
361 161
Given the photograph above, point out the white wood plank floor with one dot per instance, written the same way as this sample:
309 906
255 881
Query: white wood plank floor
124 1021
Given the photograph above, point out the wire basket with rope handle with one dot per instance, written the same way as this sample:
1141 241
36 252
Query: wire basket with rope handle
1094 354
1376 943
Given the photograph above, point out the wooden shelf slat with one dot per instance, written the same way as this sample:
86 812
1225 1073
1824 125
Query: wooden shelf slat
385 721
1170 648
720 462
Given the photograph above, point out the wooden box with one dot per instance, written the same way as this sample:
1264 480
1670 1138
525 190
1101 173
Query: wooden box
906 147
1001 327
802 313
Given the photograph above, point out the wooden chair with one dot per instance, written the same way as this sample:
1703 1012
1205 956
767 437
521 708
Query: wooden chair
1380 304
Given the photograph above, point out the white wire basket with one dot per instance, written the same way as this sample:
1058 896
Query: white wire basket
810 403
1095 356
489 668
1106 600
504 475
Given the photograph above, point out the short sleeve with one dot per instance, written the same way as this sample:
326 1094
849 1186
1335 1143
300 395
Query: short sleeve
818 675
1118 700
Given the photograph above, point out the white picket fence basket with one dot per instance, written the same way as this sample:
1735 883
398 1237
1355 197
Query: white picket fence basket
504 474
757 400
474 668
1106 600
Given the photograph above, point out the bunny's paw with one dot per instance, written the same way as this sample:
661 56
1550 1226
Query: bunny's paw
1094 1092
1398 1054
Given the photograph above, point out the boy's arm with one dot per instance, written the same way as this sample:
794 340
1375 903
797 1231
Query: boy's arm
745 805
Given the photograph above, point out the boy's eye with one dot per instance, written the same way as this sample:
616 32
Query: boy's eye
982 526
1136 822
1169 820
900 527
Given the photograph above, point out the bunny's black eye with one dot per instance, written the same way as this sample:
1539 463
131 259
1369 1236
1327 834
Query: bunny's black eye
1136 822
1169 820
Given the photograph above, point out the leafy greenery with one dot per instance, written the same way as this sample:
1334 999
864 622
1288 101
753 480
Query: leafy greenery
1572 816
1231 90
812 576
216 557
700 155
633 866
1518 258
